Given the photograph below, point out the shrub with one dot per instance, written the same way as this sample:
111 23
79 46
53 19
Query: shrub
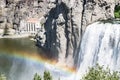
98 73
117 11
37 77
47 76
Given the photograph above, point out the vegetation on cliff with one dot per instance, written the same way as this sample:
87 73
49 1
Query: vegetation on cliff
117 11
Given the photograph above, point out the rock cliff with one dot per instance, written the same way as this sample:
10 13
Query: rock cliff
63 30
64 22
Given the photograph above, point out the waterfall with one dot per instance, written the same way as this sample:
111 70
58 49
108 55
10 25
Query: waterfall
100 44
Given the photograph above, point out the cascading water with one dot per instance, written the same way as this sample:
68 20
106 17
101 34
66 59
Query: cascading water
100 44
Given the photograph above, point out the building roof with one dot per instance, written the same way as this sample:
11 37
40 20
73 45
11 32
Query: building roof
33 20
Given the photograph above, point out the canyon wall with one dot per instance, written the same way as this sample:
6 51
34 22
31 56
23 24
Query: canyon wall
63 23
66 22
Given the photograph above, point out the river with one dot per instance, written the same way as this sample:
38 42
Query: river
20 59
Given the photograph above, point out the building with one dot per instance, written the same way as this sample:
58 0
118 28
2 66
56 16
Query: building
29 26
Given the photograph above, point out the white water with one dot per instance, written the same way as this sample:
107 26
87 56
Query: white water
100 44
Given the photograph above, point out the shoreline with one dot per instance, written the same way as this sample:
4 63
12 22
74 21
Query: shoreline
15 36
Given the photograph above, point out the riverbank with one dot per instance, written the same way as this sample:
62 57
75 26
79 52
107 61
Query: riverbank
15 36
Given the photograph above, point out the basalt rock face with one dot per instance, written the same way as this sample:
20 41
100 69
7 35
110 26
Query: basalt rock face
95 10
66 22
13 11
62 30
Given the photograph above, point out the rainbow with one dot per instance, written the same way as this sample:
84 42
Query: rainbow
35 57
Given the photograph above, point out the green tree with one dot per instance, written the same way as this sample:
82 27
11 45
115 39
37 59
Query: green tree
37 77
47 75
98 73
